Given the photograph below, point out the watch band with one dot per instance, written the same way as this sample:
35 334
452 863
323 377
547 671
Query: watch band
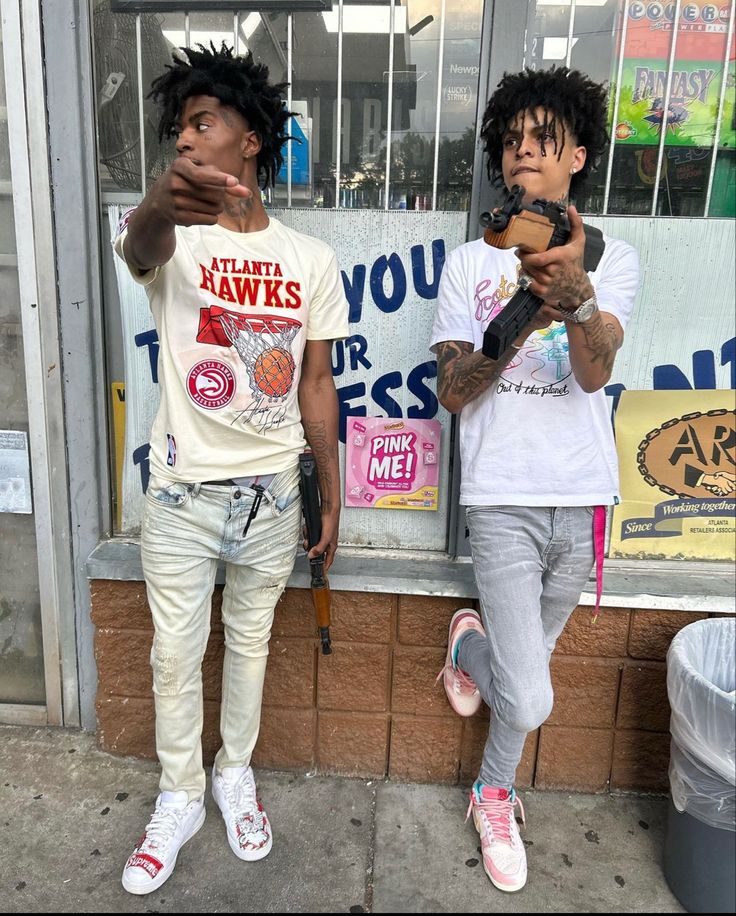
584 311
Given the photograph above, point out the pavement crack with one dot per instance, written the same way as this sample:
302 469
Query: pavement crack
371 858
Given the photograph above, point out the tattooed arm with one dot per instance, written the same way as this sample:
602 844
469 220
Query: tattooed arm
319 410
593 348
463 374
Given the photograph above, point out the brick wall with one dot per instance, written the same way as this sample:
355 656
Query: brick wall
372 708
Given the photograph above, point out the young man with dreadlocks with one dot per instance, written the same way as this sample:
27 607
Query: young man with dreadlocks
246 312
538 457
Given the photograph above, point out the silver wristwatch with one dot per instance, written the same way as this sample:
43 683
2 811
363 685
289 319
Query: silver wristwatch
582 312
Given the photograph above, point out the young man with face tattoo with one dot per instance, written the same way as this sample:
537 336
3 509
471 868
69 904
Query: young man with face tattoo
538 458
246 311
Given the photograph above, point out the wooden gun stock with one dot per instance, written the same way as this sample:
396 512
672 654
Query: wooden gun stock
313 521
540 226
533 230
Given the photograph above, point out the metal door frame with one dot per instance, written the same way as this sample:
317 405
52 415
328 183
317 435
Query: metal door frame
29 162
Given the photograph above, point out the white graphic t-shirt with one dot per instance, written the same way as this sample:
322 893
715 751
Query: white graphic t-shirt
534 438
233 312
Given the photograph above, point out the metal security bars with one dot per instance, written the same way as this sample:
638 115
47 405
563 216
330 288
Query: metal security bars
389 112
642 172
591 35
721 103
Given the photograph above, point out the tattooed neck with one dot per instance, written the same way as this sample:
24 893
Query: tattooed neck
244 214
239 209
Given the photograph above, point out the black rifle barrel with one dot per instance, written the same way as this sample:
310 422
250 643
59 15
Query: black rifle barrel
523 305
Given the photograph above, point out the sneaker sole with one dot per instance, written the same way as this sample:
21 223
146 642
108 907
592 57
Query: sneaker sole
506 888
165 874
246 855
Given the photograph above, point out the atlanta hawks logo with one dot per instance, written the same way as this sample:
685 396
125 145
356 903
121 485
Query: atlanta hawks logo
211 384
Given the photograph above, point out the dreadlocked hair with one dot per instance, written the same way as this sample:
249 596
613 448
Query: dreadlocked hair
567 96
237 82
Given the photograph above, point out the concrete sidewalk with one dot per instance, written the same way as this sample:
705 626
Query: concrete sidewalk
70 815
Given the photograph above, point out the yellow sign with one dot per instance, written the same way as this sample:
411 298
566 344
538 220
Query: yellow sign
677 456
118 431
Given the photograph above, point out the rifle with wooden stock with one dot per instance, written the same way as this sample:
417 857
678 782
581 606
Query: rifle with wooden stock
540 225
309 487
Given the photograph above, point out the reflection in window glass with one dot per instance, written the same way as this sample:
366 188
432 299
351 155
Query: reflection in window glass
415 107
460 75
723 195
314 97
599 49
210 28
690 121
21 644
117 91
365 73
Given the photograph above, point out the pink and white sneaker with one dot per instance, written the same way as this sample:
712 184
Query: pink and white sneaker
460 688
175 820
248 829
504 856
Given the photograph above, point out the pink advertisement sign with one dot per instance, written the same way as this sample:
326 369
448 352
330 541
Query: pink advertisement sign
392 464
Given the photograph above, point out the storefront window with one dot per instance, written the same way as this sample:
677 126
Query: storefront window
21 646
314 99
630 45
414 65
384 59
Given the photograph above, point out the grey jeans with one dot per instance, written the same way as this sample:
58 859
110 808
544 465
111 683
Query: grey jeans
531 565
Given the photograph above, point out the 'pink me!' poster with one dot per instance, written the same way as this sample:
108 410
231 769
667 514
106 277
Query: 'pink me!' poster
392 464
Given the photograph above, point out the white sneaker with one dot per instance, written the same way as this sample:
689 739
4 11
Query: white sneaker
248 830
174 821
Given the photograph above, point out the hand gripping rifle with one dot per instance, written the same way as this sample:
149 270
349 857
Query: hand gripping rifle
313 520
540 225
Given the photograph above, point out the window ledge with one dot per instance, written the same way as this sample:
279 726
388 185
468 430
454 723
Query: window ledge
673 585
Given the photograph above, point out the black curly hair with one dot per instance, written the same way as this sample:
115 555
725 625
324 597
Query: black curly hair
567 96
238 82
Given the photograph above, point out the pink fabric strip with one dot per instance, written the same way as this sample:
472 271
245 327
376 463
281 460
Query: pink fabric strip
599 543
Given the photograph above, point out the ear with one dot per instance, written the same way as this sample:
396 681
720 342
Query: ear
579 156
250 145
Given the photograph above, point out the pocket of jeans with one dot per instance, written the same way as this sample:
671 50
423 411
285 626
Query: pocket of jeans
285 500
590 510
167 493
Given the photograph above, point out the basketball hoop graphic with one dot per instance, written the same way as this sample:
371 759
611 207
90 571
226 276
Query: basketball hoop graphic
264 345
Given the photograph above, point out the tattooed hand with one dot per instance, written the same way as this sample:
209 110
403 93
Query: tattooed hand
558 274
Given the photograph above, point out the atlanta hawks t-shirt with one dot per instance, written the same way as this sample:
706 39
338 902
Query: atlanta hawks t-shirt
534 438
233 313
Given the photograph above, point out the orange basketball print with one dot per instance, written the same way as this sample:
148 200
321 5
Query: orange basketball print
274 372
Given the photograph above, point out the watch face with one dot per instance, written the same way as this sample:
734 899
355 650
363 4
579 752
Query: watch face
585 311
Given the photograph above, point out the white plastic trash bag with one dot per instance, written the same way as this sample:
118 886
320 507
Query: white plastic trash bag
701 685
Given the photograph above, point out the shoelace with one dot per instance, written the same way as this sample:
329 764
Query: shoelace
241 796
499 813
462 682
161 828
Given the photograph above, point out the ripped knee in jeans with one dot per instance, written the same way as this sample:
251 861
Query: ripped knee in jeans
165 665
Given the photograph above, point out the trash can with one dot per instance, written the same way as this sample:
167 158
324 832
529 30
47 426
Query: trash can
700 853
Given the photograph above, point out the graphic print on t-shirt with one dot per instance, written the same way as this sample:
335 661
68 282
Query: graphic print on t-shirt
262 340
541 366
263 343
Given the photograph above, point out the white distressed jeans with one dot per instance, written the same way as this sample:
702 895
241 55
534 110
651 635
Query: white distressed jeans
187 530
